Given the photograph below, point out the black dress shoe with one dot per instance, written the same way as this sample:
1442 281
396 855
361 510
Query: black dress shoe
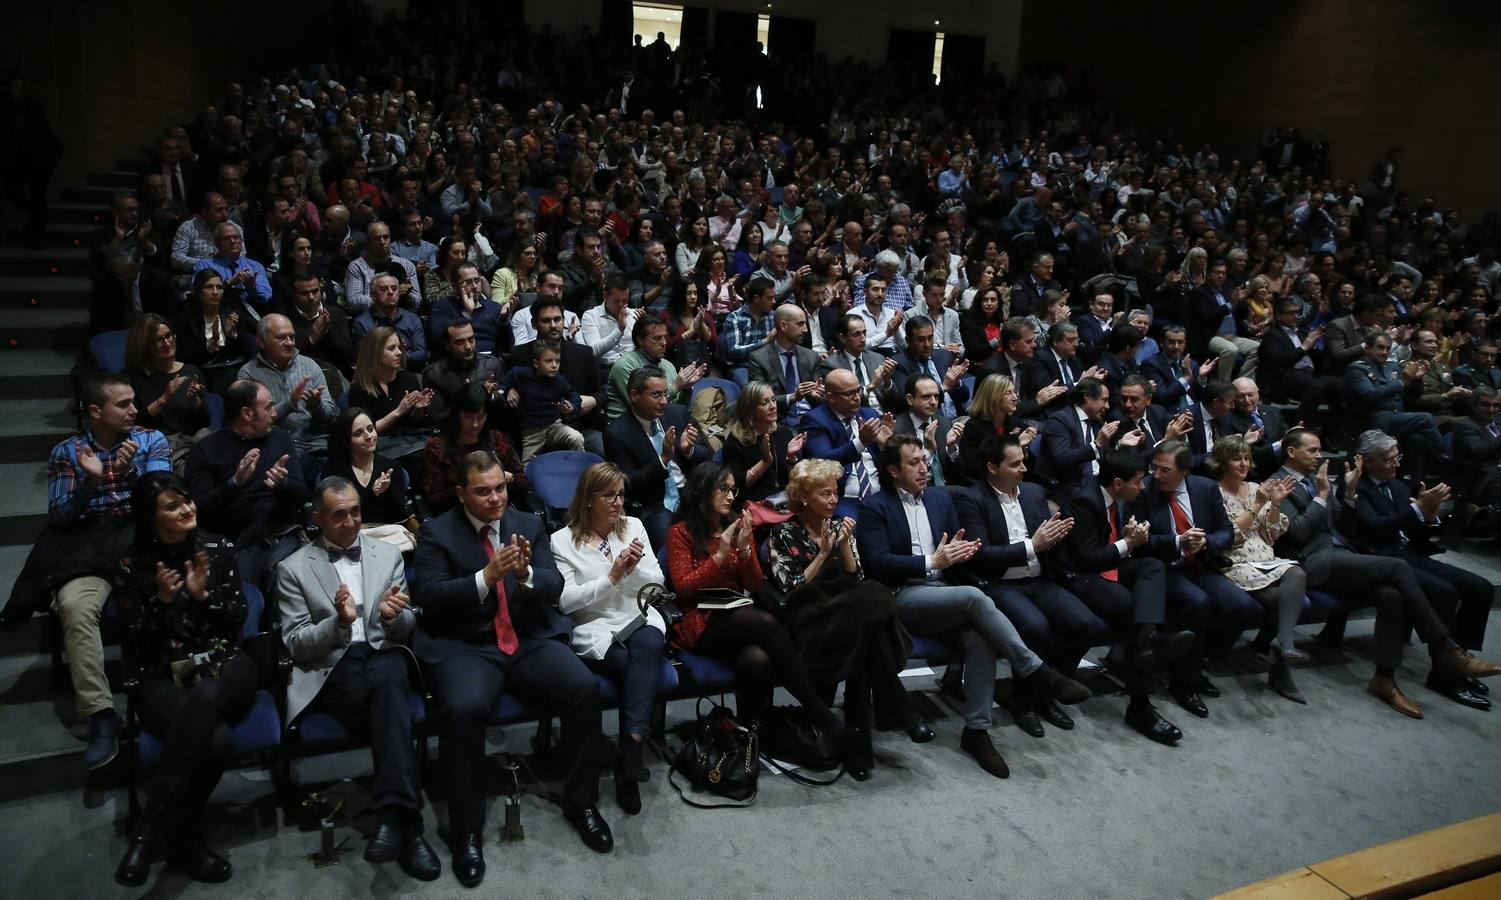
976 742
384 844
1459 692
627 794
418 859
1207 688
1145 719
135 868
1028 721
469 859
1188 698
921 733
858 753
200 863
1054 715
1162 648
1478 686
591 826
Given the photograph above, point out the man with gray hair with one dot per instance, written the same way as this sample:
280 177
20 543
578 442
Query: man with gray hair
296 383
774 268
345 619
898 289
377 259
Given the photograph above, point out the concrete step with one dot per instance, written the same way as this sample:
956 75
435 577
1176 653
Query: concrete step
120 181
53 327
75 214
43 291
61 234
94 196
23 489
60 261
30 428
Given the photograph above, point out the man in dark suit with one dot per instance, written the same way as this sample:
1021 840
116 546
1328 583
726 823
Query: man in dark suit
1137 412
1288 371
346 622
1027 294
656 445
266 231
487 584
903 517
921 356
873 372
1261 425
1212 324
1477 449
1100 564
578 366
185 180
1211 419
1037 388
1095 326
1390 520
1074 439
1359 579
1189 530
1119 359
1344 339
790 368
1016 531
1172 371
938 432
843 430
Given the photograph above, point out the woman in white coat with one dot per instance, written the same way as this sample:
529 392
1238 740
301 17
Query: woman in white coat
605 559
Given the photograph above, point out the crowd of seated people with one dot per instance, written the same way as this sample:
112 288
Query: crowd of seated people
1002 380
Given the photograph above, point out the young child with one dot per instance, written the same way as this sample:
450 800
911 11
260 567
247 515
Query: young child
543 395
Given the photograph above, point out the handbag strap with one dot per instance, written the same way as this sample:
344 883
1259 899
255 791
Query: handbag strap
727 804
799 777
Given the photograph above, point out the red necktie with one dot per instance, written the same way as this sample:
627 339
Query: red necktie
1115 535
505 632
1181 524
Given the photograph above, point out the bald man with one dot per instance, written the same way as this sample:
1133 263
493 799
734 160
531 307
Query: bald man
790 368
843 430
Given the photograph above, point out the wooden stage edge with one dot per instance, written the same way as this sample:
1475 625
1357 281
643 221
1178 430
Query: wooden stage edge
1456 862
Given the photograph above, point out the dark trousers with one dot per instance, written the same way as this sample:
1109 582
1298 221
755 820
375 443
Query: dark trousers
1388 583
1462 600
368 692
1139 597
1310 389
1209 605
195 722
636 670
1058 626
467 685
656 520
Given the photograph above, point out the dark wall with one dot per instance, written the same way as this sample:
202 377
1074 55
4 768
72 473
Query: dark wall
113 73
1373 73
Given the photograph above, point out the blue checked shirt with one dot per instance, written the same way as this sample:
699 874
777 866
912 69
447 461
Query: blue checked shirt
743 333
69 497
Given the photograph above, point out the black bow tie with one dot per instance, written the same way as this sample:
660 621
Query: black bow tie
352 553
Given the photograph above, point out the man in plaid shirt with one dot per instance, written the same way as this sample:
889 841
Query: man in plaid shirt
750 327
89 477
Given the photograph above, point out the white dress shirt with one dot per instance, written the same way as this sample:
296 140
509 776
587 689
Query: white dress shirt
599 608
523 332
923 542
852 483
1121 547
1016 524
601 332
351 576
1085 424
492 531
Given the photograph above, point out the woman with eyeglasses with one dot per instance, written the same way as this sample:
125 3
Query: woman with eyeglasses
606 559
169 392
711 555
845 626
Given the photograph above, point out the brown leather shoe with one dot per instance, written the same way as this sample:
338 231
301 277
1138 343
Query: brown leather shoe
1459 663
1386 690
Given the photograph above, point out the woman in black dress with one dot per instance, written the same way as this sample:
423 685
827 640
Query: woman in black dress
186 605
210 334
383 386
469 428
169 392
378 480
758 450
845 626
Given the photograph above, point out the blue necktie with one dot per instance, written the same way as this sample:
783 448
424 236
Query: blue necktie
789 371
670 495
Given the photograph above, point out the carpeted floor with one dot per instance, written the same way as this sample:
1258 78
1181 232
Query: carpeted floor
1261 787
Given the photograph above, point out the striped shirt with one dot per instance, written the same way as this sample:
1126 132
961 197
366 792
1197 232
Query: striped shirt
69 497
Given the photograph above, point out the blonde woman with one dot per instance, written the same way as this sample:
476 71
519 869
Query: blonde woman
991 411
758 449
383 386
606 558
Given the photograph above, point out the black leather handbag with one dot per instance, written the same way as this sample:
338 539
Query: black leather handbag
719 756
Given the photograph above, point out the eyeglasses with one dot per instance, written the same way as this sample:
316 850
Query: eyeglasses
852 392
167 338
727 489
611 496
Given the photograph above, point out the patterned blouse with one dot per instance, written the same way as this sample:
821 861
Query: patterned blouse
793 548
168 631
692 572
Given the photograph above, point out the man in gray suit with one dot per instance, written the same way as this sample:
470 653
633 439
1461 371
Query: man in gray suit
345 621
1360 579
872 370
789 367
1344 338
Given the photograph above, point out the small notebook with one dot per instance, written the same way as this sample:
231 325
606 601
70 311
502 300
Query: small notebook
722 598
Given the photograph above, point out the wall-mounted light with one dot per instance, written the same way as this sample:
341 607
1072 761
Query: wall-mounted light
936 22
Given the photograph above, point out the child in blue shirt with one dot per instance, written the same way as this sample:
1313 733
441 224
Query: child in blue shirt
542 394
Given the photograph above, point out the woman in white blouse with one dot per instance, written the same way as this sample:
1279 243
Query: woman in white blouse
606 558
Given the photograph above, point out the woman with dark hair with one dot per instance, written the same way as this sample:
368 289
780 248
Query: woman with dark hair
169 392
467 430
1162 289
519 275
183 596
747 252
439 280
378 480
846 627
209 335
297 260
690 328
640 234
692 240
383 385
606 559
716 283
711 556
980 325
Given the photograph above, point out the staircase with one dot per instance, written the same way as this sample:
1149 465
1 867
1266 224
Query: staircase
45 297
